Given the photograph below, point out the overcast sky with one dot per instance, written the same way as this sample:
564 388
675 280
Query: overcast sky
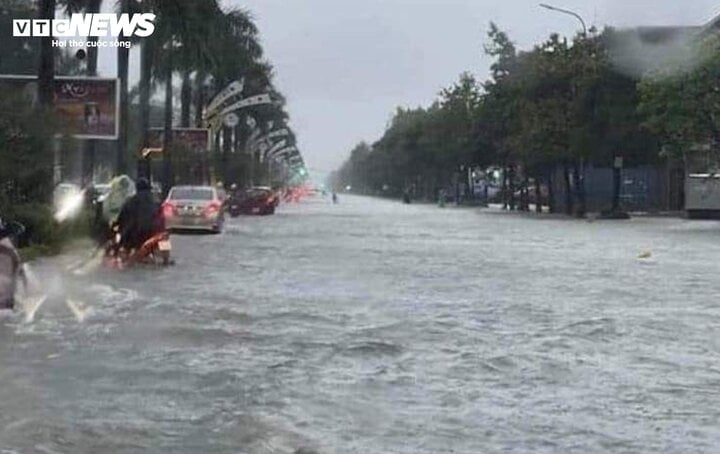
345 65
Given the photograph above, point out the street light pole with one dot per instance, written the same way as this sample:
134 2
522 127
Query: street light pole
579 173
567 11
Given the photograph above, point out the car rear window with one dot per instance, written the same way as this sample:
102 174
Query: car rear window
257 192
191 194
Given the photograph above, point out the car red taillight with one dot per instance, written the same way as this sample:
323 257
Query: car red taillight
168 209
212 208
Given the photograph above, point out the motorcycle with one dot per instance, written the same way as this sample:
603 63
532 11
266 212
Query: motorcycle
155 251
233 207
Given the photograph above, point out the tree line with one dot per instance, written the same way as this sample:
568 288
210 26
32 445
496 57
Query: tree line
546 114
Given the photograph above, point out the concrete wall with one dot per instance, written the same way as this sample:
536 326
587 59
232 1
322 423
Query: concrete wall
643 188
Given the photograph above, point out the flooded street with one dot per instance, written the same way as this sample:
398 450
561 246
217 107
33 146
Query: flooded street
376 327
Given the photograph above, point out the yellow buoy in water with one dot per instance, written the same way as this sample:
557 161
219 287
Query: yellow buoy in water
645 254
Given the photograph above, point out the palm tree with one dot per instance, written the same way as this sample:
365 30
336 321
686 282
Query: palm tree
47 61
90 7
233 34
201 42
19 55
181 41
46 69
123 64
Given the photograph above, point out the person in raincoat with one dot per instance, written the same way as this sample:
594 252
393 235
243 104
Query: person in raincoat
11 271
106 214
121 189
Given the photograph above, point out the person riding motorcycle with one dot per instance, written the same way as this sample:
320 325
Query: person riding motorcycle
122 188
140 217
231 196
10 265
107 211
406 197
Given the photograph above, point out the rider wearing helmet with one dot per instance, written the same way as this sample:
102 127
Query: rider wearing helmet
10 269
140 217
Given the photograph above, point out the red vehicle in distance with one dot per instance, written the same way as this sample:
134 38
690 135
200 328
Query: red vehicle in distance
259 200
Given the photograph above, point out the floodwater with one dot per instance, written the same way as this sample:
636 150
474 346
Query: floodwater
376 327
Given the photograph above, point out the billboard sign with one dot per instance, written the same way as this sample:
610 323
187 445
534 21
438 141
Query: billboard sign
196 139
87 107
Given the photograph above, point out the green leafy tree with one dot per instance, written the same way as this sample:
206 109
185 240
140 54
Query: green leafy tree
683 108
26 155
19 55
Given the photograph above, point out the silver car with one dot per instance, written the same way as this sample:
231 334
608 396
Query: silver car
194 208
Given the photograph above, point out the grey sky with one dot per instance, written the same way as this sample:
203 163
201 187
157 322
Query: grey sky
345 65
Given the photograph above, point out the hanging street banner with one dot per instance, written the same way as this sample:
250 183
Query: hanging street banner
252 140
215 120
275 134
281 156
231 120
255 139
279 133
285 151
243 103
234 89
278 146
262 148
267 138
247 102
195 139
87 107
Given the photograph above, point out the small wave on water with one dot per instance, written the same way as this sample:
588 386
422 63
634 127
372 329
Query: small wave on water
372 348
592 328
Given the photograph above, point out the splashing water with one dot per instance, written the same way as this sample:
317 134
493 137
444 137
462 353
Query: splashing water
79 309
30 296
85 266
